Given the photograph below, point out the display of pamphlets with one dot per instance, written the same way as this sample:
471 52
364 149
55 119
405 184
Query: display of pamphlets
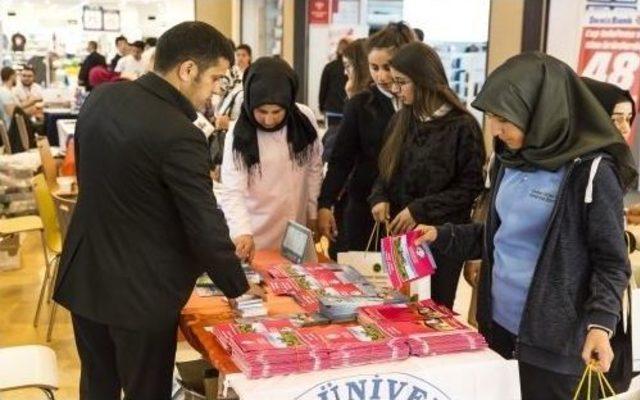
357 323
224 331
248 305
206 288
429 328
334 290
345 308
285 350
273 346
405 261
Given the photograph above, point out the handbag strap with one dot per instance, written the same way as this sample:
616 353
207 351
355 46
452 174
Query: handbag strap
375 232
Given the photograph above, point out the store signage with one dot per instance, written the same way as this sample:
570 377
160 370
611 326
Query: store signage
96 18
610 45
319 11
92 18
612 54
392 386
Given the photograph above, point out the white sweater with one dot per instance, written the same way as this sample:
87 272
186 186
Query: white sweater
262 204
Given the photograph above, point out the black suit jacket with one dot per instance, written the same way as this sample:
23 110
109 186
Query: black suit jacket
91 61
146 223
332 96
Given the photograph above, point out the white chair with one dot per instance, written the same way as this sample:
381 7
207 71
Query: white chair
33 366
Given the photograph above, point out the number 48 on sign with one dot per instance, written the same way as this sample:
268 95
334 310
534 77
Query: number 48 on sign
612 54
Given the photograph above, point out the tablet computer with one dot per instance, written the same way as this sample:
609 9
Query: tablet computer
297 244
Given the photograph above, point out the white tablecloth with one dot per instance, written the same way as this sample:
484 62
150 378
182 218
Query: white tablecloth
66 128
481 375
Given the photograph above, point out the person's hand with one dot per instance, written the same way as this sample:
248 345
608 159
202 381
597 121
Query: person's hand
327 224
381 212
597 347
428 234
402 223
472 272
245 248
312 224
222 122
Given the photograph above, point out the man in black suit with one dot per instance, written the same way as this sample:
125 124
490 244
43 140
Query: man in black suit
93 59
146 223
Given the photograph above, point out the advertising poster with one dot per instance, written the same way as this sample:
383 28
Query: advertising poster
610 48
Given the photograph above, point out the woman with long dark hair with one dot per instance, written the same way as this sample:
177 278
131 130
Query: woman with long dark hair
431 163
272 167
354 160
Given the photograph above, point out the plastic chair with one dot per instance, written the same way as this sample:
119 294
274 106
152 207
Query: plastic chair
22 130
5 138
23 367
29 223
48 162
64 211
53 243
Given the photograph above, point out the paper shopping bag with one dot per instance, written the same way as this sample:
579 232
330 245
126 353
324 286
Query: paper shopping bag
368 263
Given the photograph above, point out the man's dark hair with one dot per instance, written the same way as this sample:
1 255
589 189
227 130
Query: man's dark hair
28 67
151 41
6 73
245 47
93 44
139 44
193 40
121 38
419 34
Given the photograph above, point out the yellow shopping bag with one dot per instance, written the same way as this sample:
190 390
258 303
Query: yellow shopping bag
588 378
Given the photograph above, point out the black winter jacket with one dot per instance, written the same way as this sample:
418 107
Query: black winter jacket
332 95
357 146
580 276
440 172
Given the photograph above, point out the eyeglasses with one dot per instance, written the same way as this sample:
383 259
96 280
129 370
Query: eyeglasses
400 83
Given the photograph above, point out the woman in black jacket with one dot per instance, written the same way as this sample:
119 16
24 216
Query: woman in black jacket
353 162
431 163
555 263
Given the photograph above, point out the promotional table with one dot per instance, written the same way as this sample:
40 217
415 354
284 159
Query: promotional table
464 376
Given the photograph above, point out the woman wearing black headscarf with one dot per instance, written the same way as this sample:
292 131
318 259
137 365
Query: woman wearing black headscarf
617 102
554 258
272 166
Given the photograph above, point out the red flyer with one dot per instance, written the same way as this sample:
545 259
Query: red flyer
226 331
405 261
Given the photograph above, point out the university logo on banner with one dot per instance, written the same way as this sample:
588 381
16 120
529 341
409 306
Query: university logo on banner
388 386
610 45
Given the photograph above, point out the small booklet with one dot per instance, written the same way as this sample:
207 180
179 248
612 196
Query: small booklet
404 260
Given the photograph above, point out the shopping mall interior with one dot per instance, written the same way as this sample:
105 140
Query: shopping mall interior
52 41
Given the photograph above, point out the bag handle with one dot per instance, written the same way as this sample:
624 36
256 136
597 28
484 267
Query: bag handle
603 382
376 232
